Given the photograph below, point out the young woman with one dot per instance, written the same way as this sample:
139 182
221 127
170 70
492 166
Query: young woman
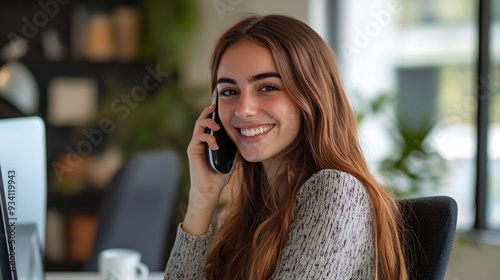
305 205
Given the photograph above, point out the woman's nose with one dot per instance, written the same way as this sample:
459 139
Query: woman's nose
246 106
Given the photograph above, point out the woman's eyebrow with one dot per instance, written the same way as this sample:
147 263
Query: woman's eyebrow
251 79
226 81
263 76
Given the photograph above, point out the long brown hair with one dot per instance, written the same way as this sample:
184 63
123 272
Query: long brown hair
249 243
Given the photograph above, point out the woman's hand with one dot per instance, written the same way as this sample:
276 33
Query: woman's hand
206 184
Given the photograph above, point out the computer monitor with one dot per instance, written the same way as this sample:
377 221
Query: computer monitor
23 195
7 239
29 259
23 151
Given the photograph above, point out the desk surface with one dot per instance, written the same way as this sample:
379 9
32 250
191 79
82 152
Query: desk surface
89 276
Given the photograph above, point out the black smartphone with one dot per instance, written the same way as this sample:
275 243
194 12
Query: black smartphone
222 159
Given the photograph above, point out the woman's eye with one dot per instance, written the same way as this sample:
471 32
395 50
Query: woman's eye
268 88
228 92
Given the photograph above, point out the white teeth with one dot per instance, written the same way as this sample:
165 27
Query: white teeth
255 131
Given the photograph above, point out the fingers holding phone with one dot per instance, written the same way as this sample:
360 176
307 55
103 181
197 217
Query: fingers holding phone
211 155
222 158
207 124
210 148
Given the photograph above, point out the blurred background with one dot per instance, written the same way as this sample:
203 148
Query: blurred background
128 76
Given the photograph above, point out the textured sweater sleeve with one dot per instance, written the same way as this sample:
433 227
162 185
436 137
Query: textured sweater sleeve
332 235
188 256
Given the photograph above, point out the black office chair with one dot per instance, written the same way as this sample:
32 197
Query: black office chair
136 211
430 231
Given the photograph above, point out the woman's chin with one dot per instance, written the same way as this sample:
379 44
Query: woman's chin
251 156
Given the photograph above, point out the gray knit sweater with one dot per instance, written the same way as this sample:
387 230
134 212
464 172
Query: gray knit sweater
331 236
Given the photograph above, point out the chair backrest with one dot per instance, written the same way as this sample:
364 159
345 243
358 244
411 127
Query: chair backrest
136 212
430 232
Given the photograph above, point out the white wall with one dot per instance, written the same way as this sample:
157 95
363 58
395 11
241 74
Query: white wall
218 15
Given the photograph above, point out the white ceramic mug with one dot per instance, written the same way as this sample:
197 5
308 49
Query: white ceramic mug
122 264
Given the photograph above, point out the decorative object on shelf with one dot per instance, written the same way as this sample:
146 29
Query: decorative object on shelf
126 21
105 35
17 83
52 46
18 86
78 29
72 101
100 41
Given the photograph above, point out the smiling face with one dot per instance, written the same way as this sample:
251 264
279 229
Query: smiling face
255 110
